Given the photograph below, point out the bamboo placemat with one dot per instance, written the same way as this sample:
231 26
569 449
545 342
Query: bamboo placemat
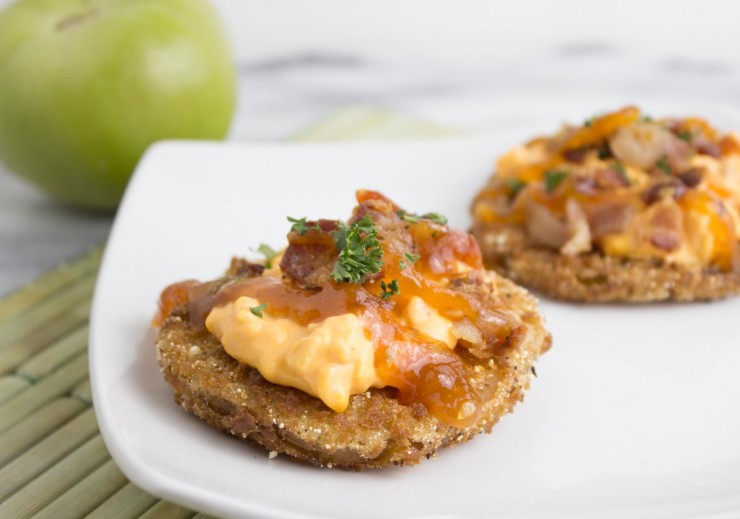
53 463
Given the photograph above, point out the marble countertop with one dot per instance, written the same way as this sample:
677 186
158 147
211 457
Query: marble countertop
282 94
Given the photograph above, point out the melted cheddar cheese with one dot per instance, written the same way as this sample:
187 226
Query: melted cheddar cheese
402 327
625 185
332 359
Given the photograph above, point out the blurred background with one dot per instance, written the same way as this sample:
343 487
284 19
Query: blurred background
468 65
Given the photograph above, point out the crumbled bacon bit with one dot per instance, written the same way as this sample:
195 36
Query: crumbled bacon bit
610 218
576 156
666 242
708 147
310 257
610 178
243 267
691 177
671 187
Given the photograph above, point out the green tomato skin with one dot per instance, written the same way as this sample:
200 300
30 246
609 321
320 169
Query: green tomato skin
87 85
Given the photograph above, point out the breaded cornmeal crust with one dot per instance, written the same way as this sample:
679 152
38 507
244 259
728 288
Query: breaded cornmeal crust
375 430
620 208
595 277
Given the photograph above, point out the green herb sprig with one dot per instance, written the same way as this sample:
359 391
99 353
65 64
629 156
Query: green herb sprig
664 166
553 178
515 186
414 218
301 225
360 253
390 289
257 310
269 254
619 168
411 258
435 217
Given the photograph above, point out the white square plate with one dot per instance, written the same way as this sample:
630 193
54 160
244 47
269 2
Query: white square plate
634 412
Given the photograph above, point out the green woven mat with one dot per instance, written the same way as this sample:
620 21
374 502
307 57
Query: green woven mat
53 462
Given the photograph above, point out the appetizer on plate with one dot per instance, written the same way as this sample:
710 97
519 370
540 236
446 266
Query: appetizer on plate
620 208
362 344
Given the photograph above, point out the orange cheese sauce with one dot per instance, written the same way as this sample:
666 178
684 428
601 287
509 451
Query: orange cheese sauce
418 367
624 160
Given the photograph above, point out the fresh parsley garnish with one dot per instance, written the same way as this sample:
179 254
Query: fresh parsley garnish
684 135
410 257
663 165
589 122
435 217
257 310
413 218
646 119
515 185
389 290
619 168
553 178
407 217
300 225
340 235
269 254
360 253
413 258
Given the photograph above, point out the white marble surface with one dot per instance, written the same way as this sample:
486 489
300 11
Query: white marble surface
475 70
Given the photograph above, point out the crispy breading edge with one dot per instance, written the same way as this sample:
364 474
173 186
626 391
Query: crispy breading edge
375 430
595 277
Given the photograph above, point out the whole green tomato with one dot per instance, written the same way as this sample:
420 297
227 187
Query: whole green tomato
87 85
